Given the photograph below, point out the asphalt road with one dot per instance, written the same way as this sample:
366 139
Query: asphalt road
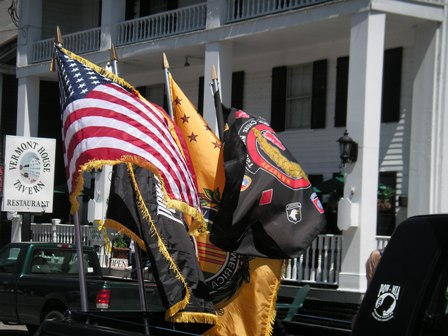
13 330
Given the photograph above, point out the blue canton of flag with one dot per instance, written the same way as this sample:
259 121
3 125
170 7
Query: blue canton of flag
75 79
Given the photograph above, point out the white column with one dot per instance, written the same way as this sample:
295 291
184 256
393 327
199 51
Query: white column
363 125
424 156
28 106
218 54
16 226
30 21
216 12
112 12
441 198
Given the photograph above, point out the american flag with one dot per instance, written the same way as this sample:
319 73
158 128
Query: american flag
106 121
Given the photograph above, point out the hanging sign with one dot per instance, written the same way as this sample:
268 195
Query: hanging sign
28 174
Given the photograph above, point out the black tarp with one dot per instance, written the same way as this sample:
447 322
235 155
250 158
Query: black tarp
407 293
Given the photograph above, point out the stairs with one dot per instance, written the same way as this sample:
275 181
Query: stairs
318 318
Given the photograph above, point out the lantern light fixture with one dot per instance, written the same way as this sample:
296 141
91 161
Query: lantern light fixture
348 149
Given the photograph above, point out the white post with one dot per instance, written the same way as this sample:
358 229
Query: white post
16 226
216 13
363 125
112 12
54 229
423 156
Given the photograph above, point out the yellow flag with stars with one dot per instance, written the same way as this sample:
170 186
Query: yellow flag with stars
244 290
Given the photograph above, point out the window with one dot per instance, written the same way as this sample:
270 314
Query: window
299 96
155 94
390 102
9 259
60 261
387 184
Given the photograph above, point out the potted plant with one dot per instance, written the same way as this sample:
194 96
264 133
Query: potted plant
120 246
386 197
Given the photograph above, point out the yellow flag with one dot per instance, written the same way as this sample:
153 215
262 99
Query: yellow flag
244 306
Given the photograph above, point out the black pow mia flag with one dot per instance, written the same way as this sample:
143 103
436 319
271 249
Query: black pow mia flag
268 208
137 208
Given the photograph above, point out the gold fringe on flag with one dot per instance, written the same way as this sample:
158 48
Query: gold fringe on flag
189 317
198 224
103 229
162 248
291 168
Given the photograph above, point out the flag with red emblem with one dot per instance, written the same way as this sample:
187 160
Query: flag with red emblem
275 213
238 285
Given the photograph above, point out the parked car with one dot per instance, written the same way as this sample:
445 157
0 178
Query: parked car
40 281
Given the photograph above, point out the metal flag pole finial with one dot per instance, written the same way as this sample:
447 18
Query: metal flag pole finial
114 59
57 42
58 37
166 68
214 75
166 65
113 53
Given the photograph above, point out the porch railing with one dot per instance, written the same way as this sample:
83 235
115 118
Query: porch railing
238 10
319 264
81 42
182 20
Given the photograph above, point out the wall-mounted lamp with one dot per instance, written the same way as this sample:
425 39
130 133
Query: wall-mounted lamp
348 149
189 58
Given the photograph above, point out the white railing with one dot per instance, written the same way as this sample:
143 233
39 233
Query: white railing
182 20
81 42
321 262
61 233
65 233
381 241
238 10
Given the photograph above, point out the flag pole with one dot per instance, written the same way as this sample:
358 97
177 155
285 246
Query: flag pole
78 236
218 105
166 68
138 266
114 59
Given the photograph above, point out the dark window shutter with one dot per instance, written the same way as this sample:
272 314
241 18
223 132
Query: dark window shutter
319 95
278 98
50 124
390 105
237 89
201 96
9 106
340 117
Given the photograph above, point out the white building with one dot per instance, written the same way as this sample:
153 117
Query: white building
313 68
